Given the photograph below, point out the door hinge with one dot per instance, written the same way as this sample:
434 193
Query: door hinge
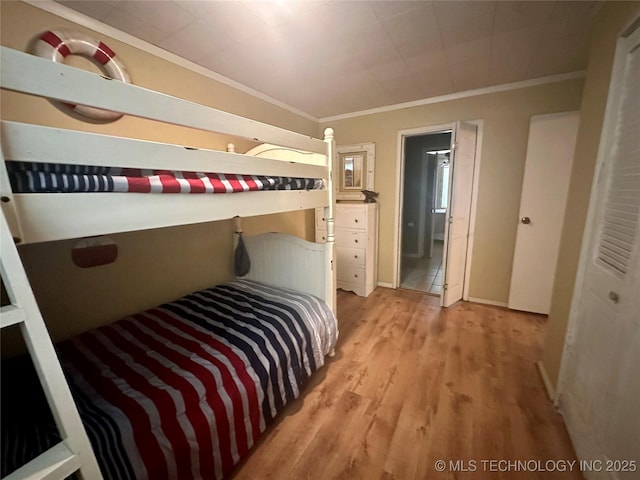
454 146
450 218
445 286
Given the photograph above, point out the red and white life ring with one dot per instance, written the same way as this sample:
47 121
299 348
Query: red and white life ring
56 45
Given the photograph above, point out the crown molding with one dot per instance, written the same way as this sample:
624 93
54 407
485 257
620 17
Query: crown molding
100 27
460 95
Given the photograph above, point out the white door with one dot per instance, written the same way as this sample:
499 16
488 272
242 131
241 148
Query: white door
458 214
547 173
599 388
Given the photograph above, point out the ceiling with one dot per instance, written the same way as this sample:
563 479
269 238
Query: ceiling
333 57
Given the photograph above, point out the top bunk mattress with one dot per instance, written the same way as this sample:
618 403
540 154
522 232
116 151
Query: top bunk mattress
33 177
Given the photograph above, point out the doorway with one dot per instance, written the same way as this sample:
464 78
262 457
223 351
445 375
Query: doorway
425 198
465 140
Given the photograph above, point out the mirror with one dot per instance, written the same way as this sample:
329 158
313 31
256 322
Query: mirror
352 171
355 170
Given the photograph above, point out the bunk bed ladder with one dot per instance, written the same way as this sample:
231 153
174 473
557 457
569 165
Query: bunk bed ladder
74 452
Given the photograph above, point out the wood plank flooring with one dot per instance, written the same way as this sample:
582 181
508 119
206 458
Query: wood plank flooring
411 384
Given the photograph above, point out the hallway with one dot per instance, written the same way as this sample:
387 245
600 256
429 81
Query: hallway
424 274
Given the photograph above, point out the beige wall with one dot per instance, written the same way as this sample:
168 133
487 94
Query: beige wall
611 19
506 124
153 266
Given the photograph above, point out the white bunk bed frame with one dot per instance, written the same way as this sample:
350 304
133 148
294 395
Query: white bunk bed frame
42 217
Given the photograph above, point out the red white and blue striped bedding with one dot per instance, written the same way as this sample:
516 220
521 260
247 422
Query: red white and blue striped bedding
32 177
183 391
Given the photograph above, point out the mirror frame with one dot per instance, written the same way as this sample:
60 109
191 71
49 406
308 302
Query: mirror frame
368 151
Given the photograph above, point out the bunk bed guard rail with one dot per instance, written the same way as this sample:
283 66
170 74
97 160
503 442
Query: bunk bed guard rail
31 216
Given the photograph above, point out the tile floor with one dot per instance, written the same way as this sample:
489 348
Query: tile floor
424 274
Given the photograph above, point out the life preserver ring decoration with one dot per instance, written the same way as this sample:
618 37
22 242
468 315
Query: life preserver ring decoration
56 45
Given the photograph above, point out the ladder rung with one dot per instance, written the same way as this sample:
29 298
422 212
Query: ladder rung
10 315
57 462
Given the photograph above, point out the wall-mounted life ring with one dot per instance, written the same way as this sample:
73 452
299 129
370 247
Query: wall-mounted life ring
56 45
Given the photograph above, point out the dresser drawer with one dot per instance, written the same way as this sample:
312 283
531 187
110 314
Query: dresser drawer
351 274
344 239
350 256
352 218
351 239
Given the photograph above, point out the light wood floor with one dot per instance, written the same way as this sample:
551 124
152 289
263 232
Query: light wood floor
411 384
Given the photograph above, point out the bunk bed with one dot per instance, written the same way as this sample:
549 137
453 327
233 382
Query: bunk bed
182 390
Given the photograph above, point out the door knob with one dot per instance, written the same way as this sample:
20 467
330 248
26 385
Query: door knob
525 220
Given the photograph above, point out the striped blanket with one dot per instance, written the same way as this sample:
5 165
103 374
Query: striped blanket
181 391
31 177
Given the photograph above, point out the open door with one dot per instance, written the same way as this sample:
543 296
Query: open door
463 149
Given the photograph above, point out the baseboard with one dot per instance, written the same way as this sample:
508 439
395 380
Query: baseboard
486 302
385 285
551 392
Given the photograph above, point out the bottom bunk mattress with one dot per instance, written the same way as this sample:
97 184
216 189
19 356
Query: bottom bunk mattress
180 391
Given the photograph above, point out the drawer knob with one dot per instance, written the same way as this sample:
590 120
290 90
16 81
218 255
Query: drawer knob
356 220
356 241
355 275
355 256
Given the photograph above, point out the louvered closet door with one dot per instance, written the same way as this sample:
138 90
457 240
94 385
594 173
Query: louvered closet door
600 390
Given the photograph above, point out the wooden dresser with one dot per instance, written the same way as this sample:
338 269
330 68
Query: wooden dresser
356 229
